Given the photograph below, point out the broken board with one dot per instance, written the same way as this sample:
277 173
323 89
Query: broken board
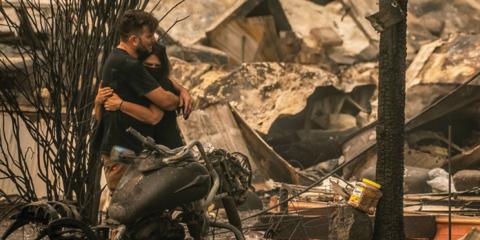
222 127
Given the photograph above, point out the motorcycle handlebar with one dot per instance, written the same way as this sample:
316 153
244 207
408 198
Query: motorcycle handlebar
174 154
147 141
171 154
150 142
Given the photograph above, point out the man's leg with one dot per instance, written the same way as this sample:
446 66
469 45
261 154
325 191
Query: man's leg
113 174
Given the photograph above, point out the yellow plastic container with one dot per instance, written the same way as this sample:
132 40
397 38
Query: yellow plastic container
365 196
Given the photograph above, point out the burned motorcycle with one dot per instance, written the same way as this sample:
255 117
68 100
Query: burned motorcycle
160 180
161 189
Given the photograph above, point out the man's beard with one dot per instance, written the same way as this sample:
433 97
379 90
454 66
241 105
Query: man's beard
142 52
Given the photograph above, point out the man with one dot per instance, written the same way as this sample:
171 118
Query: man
124 73
166 131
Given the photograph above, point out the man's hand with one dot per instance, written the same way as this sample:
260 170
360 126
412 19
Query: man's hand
113 103
186 103
102 94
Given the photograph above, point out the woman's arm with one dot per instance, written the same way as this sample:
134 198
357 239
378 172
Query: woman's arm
151 115
102 95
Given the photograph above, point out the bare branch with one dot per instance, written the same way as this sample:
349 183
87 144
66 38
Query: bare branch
156 5
175 23
170 10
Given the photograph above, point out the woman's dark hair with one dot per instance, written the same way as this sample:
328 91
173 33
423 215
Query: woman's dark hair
161 52
133 21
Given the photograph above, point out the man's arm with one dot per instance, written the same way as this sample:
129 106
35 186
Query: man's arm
151 115
176 85
186 101
145 85
165 100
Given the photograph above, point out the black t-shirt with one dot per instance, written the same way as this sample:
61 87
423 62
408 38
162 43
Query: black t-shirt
166 131
129 79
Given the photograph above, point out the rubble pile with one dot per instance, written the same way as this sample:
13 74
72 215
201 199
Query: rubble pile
429 20
433 75
308 114
333 39
342 36
261 92
294 106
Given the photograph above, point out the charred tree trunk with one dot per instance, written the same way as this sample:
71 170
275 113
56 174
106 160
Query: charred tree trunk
391 120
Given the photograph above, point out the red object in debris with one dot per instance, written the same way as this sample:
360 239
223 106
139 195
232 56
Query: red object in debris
460 226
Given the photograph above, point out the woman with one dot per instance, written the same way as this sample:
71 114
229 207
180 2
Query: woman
166 130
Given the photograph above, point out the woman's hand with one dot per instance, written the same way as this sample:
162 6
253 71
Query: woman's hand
113 103
103 94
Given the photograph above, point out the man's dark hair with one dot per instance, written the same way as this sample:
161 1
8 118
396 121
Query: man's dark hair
133 21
